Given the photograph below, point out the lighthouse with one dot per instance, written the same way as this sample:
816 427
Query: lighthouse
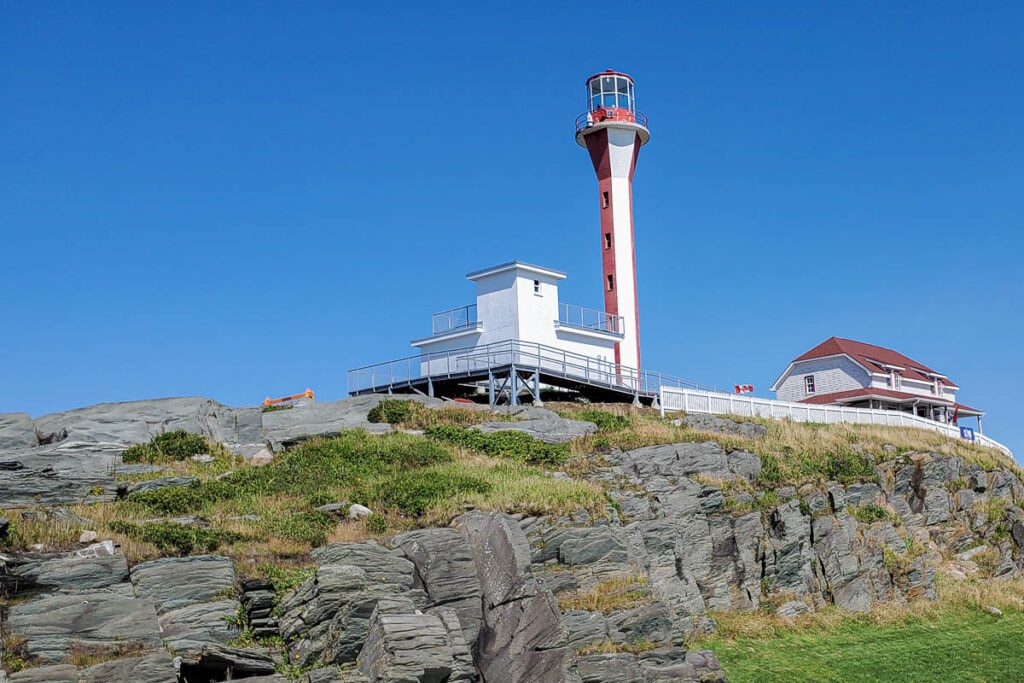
613 131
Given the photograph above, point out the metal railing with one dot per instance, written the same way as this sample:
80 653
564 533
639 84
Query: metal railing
591 118
589 319
453 319
480 360
720 403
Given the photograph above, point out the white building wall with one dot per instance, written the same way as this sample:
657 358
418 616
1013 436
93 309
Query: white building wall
497 307
509 309
831 375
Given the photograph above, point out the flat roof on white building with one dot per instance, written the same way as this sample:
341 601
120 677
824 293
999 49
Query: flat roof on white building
516 265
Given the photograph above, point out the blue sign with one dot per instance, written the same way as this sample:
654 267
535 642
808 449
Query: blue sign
967 433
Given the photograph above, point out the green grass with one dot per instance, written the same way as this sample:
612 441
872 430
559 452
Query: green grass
407 480
168 447
959 645
177 539
508 445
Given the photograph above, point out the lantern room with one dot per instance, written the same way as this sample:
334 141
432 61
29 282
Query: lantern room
611 101
610 90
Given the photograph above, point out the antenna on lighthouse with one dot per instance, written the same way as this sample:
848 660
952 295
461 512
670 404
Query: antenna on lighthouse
613 131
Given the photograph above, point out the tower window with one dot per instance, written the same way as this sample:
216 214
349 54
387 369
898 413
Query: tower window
536 287
611 282
604 199
607 240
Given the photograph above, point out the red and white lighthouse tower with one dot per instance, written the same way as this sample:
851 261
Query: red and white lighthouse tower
613 131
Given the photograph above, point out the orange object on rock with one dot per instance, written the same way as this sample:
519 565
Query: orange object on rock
308 393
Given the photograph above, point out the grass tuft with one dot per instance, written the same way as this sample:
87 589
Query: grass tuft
616 593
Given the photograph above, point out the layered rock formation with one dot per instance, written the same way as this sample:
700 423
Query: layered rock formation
492 597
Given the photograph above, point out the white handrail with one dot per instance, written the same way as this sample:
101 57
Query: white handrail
721 403
549 360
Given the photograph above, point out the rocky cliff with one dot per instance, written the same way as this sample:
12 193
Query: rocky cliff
691 529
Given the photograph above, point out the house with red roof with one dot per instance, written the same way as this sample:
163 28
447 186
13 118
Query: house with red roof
858 375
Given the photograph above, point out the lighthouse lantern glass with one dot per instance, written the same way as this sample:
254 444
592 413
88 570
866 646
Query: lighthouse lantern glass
610 91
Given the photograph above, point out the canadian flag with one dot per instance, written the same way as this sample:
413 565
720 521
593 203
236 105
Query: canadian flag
744 388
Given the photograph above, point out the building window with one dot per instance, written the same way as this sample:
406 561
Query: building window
604 199
536 287
809 384
897 380
937 387
607 240
611 282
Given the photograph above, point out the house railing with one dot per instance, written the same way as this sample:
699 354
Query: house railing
453 319
479 360
721 403
589 319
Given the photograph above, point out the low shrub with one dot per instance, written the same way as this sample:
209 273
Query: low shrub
847 466
842 465
413 492
169 446
771 470
177 500
391 411
303 527
177 538
605 421
376 523
342 461
510 444
273 408
415 415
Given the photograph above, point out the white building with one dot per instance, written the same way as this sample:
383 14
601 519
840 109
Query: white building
517 312
855 374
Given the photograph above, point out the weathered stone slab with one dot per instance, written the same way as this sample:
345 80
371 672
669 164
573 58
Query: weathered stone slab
98 567
175 582
446 572
106 620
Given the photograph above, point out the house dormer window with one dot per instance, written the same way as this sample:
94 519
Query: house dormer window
895 379
809 384
937 386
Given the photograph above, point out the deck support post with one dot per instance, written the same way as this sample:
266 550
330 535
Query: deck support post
513 378
490 388
536 388
430 387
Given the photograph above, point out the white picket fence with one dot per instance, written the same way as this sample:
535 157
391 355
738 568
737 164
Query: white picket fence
715 403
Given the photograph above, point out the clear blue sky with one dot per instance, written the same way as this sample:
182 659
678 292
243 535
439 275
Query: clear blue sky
242 199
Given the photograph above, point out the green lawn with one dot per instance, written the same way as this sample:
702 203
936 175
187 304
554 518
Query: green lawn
962 645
